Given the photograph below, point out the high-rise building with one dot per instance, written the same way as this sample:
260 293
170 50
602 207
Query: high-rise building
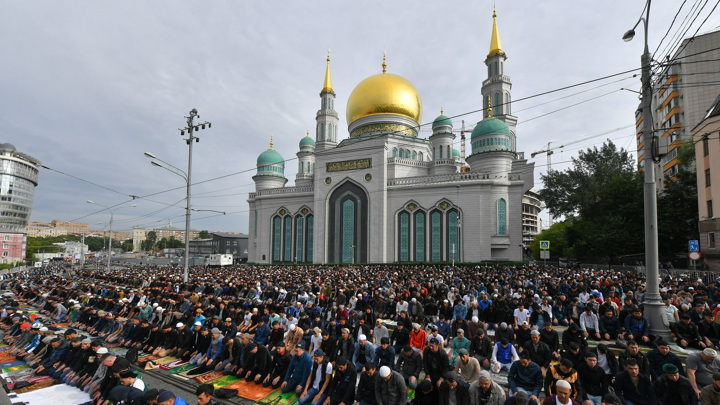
18 179
531 216
707 161
682 91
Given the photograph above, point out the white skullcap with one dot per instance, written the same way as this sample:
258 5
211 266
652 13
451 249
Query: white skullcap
384 371
179 325
475 319
102 350
292 326
362 337
155 304
563 384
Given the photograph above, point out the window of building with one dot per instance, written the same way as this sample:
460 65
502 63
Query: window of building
706 146
394 152
502 217
420 156
498 105
711 240
710 209
7 237
6 254
6 246
707 177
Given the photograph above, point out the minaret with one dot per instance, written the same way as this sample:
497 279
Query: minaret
326 118
270 170
496 89
441 142
306 161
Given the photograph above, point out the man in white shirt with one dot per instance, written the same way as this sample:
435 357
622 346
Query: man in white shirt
671 310
521 314
589 324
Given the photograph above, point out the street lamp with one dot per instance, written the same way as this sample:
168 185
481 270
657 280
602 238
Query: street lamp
112 214
191 127
654 311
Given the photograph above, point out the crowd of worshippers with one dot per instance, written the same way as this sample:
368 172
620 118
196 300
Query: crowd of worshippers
290 328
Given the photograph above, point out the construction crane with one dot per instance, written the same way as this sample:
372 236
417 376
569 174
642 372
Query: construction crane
549 153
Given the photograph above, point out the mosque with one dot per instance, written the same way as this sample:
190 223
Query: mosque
384 194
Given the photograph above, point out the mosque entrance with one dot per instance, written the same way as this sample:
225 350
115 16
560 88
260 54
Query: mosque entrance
348 224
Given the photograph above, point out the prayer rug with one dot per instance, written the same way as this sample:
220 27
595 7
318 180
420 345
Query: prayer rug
207 377
147 358
15 368
224 381
276 397
185 367
12 363
174 364
36 386
165 360
61 394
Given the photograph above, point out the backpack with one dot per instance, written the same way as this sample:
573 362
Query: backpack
132 355
225 393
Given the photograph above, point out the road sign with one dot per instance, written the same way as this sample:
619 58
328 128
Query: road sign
693 246
545 244
544 254
695 255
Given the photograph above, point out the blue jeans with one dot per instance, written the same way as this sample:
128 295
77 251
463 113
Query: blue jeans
412 385
595 399
308 398
195 359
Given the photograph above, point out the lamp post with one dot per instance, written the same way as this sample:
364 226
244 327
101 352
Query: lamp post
654 311
190 128
112 214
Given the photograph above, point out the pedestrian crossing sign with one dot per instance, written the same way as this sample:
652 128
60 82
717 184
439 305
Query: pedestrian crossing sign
545 244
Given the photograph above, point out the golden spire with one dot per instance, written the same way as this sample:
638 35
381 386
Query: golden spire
384 65
327 86
441 111
271 142
495 46
489 109
307 134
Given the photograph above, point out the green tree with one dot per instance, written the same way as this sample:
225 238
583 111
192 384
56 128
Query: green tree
574 190
203 235
127 245
677 205
558 241
601 196
151 239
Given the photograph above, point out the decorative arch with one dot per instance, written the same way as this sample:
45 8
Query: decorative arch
347 223
394 152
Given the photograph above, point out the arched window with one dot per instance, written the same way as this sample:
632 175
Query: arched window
441 148
420 156
419 218
507 103
414 155
309 238
496 68
449 152
287 242
436 236
323 103
404 236
299 238
394 152
498 105
308 167
330 132
453 234
502 217
501 67
277 238
400 153
322 132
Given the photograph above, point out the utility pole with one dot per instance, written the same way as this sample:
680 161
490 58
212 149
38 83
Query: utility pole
549 153
463 168
654 307
190 128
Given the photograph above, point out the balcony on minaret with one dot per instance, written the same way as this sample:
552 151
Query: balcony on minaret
496 79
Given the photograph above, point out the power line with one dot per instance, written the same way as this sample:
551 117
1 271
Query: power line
669 28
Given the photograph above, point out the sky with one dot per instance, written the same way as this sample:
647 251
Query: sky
88 87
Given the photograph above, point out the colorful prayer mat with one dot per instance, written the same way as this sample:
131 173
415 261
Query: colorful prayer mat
165 360
174 364
20 374
15 368
183 368
4 348
118 351
36 386
207 377
276 397
224 381
147 358
11 364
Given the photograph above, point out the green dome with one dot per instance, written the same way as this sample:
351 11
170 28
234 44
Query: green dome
270 157
307 141
442 120
490 126
456 153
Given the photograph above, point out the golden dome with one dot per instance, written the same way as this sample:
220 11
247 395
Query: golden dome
384 93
